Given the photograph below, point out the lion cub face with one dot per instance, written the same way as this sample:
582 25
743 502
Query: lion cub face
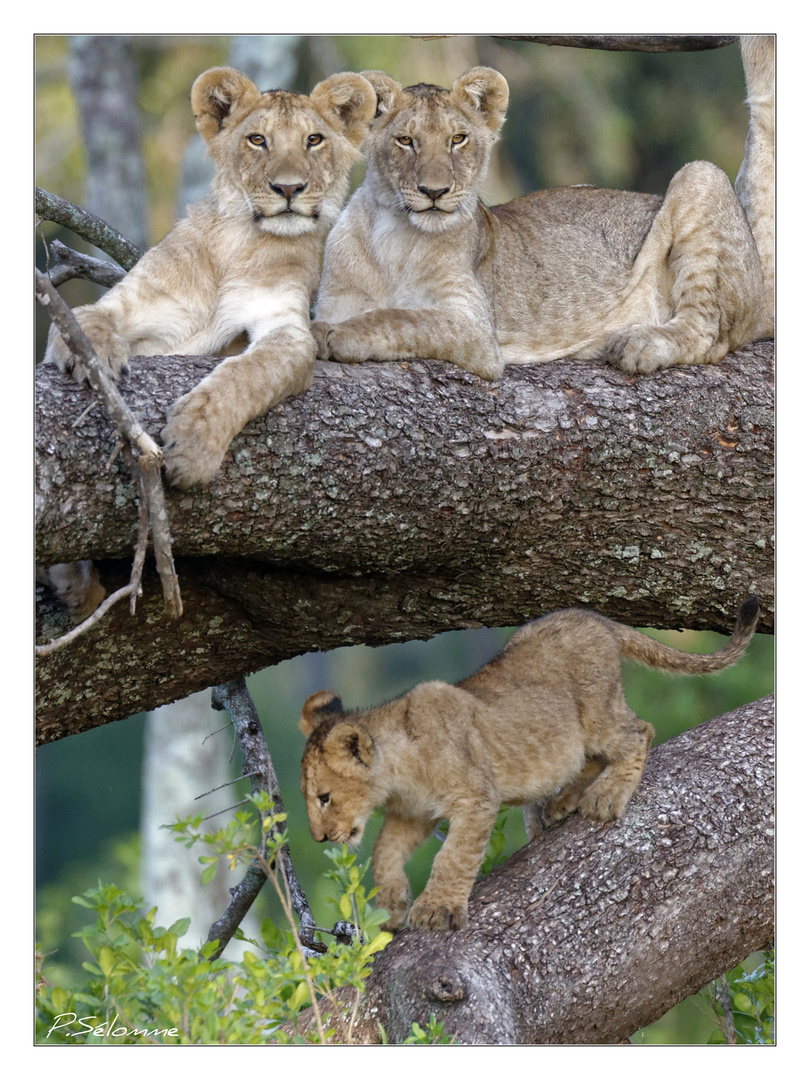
336 778
430 147
285 155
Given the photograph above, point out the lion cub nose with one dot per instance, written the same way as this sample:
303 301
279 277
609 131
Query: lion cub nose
433 193
288 191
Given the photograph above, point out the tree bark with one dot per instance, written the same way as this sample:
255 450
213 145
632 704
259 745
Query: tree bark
394 501
591 932
655 43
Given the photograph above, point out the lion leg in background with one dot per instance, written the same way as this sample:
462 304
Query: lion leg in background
443 903
756 180
625 750
204 422
396 841
701 255
566 800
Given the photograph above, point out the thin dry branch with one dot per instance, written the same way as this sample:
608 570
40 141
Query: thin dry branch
83 627
64 264
234 698
93 229
146 453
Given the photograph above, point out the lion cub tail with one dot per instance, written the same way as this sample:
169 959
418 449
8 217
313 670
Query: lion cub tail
645 650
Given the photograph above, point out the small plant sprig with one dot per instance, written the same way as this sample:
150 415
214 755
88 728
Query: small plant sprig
143 989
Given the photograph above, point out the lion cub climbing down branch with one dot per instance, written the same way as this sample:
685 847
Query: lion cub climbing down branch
546 719
418 266
246 260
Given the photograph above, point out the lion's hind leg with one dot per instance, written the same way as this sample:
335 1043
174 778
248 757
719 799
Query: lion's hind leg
566 800
624 749
701 262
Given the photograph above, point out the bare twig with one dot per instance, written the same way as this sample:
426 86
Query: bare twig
68 264
91 228
146 453
83 627
235 699
722 1002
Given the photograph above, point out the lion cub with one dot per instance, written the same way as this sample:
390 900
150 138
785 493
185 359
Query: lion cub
417 265
246 260
546 719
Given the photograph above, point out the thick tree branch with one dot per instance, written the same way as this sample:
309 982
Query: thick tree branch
656 43
393 501
591 932
54 208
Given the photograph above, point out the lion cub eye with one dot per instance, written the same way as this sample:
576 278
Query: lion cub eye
404 140
458 139
256 139
314 140
324 799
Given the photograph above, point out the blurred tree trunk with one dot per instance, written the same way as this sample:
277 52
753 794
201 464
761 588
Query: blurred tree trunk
394 501
104 81
179 765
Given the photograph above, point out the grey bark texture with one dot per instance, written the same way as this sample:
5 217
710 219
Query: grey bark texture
395 501
590 932
655 43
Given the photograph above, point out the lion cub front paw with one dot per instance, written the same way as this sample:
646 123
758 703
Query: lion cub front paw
337 342
427 915
194 444
109 347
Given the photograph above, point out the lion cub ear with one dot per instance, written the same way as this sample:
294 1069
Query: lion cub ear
386 89
316 708
488 91
216 94
347 101
348 749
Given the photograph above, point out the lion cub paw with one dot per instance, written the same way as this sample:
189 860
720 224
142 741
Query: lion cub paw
602 803
335 342
425 915
109 347
194 444
640 350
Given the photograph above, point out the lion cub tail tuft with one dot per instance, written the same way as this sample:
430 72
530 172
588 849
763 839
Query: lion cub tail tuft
645 650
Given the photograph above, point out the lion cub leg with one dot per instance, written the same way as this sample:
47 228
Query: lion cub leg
443 904
698 279
99 326
403 334
395 843
566 800
625 750
204 422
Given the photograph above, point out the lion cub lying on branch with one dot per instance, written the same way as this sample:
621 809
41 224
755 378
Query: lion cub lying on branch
418 266
545 718
245 260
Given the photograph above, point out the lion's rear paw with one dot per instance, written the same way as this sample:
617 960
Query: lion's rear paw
640 350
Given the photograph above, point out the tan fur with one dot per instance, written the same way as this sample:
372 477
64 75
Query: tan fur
546 719
418 266
245 260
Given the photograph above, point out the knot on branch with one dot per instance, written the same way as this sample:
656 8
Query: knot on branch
447 988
